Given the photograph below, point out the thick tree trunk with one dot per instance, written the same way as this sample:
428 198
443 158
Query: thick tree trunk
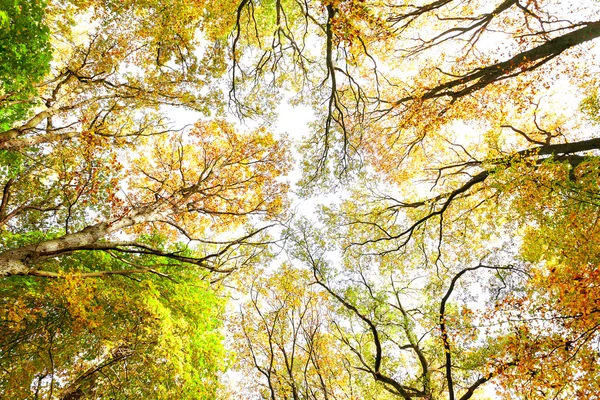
12 134
22 260
11 141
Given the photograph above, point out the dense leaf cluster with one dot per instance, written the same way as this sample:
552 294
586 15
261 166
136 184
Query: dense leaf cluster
26 55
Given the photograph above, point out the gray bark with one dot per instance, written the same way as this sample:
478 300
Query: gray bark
23 260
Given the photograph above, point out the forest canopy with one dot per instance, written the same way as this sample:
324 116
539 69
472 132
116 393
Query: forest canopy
433 233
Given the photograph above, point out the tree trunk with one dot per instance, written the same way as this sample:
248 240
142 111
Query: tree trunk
22 260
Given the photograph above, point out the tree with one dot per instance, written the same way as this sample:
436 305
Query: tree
121 63
285 340
399 324
65 178
215 181
556 312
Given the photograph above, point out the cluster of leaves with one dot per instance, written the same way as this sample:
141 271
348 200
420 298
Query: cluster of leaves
119 338
26 55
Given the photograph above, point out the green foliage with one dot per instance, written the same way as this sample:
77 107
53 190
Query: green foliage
10 240
26 55
11 163
110 337
591 106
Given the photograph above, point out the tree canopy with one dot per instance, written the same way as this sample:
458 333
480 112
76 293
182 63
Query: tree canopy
440 243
